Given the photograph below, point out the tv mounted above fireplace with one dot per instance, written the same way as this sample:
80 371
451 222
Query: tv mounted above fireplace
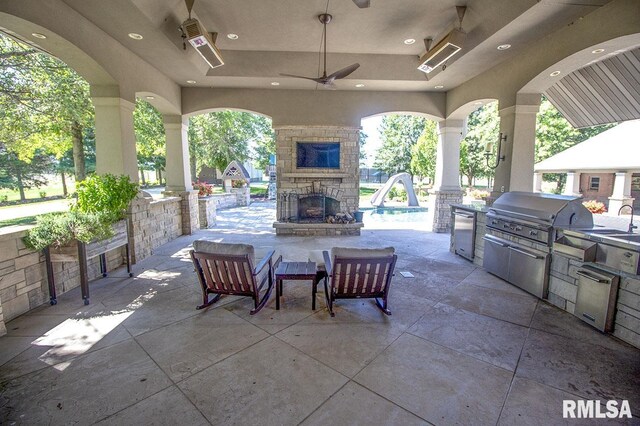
320 155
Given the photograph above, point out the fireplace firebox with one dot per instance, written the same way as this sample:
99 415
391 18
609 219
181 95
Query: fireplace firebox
315 207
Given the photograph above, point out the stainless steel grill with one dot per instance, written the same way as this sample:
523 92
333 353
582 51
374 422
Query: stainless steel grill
521 227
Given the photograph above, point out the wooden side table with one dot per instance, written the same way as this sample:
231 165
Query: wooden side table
298 271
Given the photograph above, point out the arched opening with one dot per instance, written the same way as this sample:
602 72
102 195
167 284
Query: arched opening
47 133
220 136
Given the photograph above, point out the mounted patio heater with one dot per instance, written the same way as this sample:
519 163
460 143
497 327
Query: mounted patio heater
441 52
203 42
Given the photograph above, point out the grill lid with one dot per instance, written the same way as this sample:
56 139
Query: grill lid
555 210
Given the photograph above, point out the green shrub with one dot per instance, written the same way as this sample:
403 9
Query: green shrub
107 194
57 229
43 194
102 200
4 198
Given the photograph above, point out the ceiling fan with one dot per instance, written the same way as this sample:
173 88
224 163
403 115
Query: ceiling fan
327 80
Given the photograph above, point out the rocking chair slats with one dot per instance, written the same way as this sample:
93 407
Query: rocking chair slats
228 269
366 273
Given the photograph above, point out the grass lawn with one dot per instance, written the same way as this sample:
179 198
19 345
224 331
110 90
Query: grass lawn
51 190
29 220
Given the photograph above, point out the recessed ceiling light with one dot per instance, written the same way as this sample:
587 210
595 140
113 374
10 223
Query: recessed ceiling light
275 83
232 36
191 81
410 41
38 35
504 46
593 51
151 97
439 87
135 36
555 74
359 85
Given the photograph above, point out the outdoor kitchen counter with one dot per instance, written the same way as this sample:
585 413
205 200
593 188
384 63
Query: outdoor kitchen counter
563 288
480 212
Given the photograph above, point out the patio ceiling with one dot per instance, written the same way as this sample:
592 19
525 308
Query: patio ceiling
604 92
283 36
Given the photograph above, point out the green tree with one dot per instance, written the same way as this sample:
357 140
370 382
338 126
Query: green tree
423 153
483 125
398 133
151 140
216 139
362 140
555 134
44 104
18 174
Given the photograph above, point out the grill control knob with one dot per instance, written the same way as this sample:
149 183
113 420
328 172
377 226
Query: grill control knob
533 233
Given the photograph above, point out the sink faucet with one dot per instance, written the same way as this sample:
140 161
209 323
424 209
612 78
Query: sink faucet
631 225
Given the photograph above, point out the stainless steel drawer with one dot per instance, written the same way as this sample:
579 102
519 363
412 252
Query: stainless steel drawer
528 269
496 256
596 299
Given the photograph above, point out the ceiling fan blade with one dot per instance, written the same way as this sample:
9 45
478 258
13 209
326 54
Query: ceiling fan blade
362 3
317 80
342 73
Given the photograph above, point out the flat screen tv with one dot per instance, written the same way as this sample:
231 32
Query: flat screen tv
319 155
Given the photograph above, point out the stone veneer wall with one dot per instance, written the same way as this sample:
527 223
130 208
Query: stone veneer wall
207 212
347 178
439 214
23 277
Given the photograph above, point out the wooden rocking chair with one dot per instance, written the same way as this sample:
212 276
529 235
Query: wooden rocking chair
228 269
359 273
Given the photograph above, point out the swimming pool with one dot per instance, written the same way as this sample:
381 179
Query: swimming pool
399 216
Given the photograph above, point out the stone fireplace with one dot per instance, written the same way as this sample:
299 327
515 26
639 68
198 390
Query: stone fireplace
306 195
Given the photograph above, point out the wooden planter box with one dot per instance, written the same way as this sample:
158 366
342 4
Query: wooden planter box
77 251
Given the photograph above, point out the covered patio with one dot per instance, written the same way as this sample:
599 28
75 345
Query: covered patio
461 347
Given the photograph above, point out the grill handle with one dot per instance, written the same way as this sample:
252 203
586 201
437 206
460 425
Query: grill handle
466 215
495 241
526 253
590 277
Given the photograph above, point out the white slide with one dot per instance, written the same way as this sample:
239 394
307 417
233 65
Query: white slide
379 196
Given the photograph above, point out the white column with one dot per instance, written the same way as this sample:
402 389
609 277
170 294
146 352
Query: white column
448 155
621 192
115 138
518 124
178 174
446 189
573 184
537 182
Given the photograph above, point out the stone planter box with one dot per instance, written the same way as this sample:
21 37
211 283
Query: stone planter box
77 251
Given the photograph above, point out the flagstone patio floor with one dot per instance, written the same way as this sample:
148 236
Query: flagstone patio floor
462 346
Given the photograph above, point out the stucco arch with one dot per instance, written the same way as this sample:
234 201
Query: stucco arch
218 109
464 110
163 105
110 68
313 108
414 113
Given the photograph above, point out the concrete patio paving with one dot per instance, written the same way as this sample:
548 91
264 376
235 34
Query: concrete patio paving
462 347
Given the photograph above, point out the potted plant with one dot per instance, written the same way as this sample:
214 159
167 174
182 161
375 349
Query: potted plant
94 225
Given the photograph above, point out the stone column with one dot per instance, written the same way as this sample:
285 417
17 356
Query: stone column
3 328
537 182
178 174
518 124
573 184
621 193
115 138
446 189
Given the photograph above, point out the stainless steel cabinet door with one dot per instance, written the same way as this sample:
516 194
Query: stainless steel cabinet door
528 270
496 257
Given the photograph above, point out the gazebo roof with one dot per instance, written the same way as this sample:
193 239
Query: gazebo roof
235 171
617 149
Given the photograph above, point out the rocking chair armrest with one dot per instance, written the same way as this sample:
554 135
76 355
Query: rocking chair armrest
327 261
265 260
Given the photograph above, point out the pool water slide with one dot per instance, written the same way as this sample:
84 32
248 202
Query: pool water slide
379 196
